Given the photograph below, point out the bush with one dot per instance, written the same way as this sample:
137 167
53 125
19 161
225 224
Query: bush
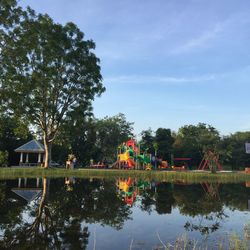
4 158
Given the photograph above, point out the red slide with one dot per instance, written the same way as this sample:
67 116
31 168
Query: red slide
131 163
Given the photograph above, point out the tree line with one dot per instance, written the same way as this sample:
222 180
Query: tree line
98 139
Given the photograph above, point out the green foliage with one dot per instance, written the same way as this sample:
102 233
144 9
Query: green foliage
111 132
234 152
90 138
147 141
78 136
164 140
4 158
48 71
13 133
193 141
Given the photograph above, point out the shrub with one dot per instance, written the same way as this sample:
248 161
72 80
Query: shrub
4 158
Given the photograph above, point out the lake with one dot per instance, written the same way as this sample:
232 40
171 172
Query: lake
70 213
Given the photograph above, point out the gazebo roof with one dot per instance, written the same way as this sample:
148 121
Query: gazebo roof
32 146
28 194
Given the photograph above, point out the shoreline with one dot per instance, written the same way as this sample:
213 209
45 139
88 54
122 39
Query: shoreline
163 175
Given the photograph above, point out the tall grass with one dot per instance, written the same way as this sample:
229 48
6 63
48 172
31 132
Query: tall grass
232 242
168 176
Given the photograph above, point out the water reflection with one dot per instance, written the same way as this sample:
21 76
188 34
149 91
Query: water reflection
58 213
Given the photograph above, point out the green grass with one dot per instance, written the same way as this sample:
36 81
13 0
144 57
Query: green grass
168 176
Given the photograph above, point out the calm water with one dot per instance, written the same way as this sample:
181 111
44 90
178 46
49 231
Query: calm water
118 214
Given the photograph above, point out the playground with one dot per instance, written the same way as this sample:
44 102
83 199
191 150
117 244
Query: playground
131 157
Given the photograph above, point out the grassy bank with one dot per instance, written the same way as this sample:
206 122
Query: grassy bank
170 176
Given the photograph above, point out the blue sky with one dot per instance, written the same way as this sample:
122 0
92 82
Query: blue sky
167 63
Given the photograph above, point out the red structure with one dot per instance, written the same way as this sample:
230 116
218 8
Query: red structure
132 143
212 189
209 159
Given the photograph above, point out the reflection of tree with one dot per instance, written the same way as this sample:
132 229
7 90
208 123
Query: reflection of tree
9 217
192 201
58 219
164 198
160 198
44 232
205 205
147 201
207 223
40 231
235 196
2 192
73 236
101 204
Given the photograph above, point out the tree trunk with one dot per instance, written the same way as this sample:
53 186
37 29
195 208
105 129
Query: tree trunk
47 147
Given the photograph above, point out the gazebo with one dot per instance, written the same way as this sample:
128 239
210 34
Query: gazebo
28 189
31 147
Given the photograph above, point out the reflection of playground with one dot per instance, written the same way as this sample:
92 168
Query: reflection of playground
211 189
129 188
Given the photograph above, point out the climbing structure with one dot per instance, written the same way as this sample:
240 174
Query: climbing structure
209 161
130 157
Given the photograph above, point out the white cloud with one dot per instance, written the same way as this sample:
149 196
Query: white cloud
140 79
199 42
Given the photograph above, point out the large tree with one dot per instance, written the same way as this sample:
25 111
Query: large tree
48 70
164 140
110 132
194 140
147 141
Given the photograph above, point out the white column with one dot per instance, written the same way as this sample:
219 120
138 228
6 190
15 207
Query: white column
39 158
21 157
25 182
27 158
37 182
19 182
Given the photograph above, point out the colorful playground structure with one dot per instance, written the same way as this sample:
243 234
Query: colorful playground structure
129 188
130 156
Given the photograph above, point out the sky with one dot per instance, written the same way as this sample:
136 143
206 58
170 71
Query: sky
167 63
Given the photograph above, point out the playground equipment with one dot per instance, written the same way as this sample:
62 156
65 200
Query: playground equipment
126 155
180 163
210 161
129 157
163 165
